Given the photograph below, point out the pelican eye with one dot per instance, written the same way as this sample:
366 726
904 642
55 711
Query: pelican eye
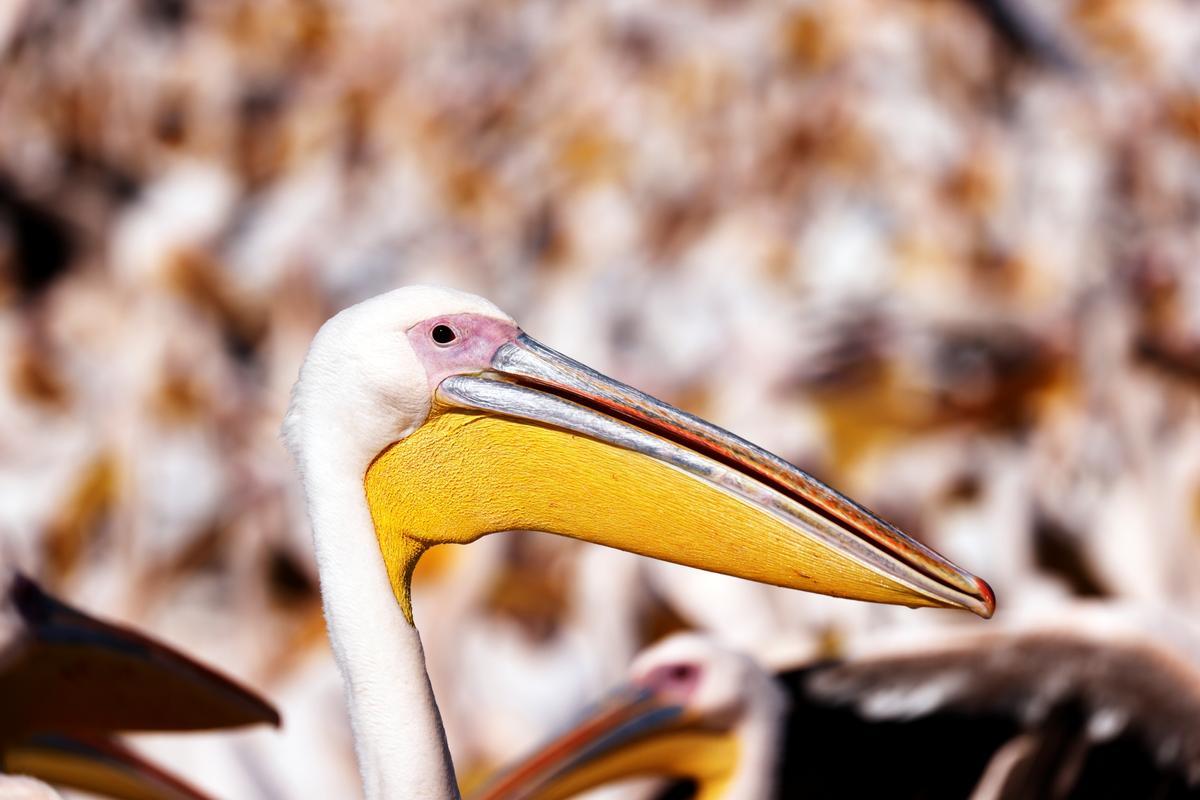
675 679
443 334
681 673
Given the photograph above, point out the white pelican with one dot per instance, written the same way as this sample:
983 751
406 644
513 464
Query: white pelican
425 416
691 710
1091 705
68 682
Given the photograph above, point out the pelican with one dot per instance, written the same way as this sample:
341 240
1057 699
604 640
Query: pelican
69 681
691 710
1088 706
425 416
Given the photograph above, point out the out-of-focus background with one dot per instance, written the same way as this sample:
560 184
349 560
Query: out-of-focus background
943 254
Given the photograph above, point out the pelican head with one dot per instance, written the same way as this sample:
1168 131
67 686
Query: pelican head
691 710
458 424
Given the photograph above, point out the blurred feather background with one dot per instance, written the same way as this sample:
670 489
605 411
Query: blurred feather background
941 253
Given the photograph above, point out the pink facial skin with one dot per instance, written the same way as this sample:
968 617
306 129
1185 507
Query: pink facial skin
675 682
476 339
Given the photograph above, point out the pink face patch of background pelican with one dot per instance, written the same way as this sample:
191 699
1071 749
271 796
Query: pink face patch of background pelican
676 682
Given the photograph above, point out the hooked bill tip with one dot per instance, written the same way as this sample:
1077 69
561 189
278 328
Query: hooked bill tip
987 599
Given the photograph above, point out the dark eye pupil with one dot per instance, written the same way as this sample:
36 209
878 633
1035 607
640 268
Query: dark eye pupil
442 334
681 672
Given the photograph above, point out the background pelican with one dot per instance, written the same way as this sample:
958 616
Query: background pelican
691 710
68 682
1038 710
425 416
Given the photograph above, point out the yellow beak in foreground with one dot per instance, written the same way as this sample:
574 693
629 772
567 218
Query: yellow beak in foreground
541 442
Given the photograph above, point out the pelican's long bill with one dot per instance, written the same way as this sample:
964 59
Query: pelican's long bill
540 442
72 672
634 732
98 765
